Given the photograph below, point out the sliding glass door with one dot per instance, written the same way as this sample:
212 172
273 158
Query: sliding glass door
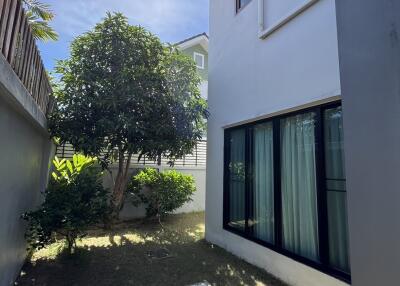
285 187
299 188
237 173
263 183
336 189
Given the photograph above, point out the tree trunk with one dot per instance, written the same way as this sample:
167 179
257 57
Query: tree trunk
70 243
159 158
121 182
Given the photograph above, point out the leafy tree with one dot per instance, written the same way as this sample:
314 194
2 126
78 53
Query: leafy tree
74 200
39 15
162 192
122 93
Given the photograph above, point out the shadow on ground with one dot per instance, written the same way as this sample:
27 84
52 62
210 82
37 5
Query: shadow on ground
121 257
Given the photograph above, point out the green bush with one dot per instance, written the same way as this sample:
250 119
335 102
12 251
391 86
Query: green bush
162 192
74 199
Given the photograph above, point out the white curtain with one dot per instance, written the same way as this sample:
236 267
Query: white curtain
263 197
237 179
336 189
298 181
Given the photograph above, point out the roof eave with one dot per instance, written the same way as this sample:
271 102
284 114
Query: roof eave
201 39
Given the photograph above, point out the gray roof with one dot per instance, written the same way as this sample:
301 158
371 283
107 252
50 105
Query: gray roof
191 38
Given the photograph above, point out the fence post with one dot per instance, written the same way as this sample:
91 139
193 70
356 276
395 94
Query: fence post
19 49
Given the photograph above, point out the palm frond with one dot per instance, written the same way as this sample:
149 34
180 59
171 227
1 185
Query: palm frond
39 9
41 30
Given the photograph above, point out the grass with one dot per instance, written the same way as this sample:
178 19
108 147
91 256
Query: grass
120 257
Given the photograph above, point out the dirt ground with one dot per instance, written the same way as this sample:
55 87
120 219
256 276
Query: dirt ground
140 253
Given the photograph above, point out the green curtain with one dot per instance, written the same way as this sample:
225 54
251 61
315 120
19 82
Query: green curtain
263 196
237 179
298 181
336 189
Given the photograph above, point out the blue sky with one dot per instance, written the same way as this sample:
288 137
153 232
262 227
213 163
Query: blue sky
171 20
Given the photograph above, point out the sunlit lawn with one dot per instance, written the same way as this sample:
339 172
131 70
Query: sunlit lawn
121 257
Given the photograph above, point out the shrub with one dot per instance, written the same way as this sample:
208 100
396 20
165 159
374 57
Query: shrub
162 192
74 199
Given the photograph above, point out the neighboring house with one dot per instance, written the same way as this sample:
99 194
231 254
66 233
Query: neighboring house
303 152
197 48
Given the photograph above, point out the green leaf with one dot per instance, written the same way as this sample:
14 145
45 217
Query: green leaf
70 167
76 160
39 15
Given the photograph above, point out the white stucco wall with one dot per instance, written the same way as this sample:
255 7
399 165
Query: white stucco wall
250 78
25 150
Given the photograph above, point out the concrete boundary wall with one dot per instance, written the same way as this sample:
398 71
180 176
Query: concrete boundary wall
15 93
25 155
198 199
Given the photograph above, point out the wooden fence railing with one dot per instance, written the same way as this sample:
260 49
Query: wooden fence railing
18 47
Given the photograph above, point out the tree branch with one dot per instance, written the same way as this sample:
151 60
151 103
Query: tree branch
121 159
128 162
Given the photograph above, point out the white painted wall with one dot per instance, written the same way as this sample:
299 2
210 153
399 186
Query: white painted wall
198 199
25 150
249 78
369 49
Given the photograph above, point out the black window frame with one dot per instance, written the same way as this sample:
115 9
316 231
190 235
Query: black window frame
239 7
322 204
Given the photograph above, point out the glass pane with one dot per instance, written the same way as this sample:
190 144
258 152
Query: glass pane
237 179
262 222
199 60
299 200
336 189
243 3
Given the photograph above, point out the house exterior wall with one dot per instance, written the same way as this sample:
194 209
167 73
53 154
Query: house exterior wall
250 78
369 49
202 72
25 150
199 49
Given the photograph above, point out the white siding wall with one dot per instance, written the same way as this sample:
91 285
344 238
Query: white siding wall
248 78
